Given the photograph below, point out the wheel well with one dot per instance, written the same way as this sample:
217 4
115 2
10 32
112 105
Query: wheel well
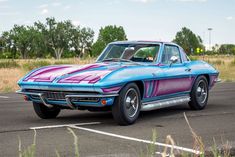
141 87
207 77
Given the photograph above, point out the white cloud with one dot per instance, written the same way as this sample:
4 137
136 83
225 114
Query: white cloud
76 22
3 0
229 18
44 11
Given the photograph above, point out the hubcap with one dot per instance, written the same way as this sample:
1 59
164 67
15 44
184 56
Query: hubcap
202 92
131 102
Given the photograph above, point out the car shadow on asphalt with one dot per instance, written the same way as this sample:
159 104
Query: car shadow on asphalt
105 117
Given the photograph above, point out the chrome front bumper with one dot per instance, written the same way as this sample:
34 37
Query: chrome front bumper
67 97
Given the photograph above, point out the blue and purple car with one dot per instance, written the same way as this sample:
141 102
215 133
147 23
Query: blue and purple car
128 77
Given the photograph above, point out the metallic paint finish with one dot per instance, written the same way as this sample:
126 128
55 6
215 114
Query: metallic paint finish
170 86
86 77
111 90
160 81
43 71
167 86
154 93
146 84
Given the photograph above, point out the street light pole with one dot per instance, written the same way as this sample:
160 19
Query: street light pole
209 29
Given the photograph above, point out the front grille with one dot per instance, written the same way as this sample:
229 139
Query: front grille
60 95
55 96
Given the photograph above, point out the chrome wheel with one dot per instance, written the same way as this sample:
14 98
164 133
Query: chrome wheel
131 102
126 107
202 91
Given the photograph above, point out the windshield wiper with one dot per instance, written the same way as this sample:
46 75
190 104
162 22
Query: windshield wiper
116 60
119 60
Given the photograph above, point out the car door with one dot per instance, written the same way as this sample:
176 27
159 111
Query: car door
176 78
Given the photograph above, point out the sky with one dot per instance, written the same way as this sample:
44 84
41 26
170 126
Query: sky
141 19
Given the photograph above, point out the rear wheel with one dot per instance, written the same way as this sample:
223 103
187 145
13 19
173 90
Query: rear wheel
199 94
127 105
45 112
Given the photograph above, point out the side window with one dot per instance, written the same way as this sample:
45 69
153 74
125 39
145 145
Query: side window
185 58
169 51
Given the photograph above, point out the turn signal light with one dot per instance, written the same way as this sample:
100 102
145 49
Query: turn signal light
26 98
103 102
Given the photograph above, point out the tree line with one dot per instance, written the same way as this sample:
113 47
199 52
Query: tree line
56 39
63 39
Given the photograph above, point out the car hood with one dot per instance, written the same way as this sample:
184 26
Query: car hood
84 74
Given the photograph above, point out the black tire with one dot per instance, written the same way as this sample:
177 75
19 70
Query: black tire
126 107
199 94
45 112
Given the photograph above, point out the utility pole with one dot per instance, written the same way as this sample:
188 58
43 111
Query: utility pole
209 29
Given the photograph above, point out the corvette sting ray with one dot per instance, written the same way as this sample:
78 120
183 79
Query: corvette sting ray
128 77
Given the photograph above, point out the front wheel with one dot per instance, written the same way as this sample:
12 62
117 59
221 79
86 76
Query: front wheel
199 94
45 112
127 105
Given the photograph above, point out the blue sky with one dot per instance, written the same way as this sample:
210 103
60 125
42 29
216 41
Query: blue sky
141 19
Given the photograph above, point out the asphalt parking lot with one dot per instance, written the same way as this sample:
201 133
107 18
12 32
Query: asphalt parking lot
99 135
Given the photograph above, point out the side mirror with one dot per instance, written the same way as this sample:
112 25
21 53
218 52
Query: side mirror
173 60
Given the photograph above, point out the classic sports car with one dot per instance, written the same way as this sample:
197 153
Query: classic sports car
128 77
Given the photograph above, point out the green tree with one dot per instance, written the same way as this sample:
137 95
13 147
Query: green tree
188 40
40 47
81 40
106 35
46 39
20 39
57 35
227 49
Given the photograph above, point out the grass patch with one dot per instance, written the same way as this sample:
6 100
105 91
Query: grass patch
30 150
63 62
9 64
35 64
216 62
233 62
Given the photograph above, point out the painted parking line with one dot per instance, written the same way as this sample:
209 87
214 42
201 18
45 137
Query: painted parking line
78 126
136 139
63 125
4 97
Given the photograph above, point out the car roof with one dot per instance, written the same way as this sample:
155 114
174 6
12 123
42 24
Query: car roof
143 42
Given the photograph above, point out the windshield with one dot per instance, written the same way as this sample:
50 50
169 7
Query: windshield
130 52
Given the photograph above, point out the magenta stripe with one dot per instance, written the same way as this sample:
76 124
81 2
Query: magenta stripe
154 93
146 88
112 89
94 80
44 71
173 86
152 88
85 68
